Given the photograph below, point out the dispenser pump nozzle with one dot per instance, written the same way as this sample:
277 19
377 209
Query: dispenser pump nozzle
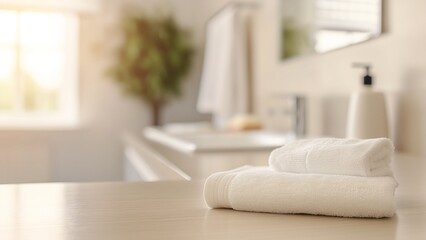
367 79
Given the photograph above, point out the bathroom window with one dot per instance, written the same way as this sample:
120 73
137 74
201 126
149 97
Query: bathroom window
38 69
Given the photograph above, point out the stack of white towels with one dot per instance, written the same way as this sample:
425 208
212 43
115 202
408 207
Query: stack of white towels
326 176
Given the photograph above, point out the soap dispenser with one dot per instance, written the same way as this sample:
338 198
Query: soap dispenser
367 117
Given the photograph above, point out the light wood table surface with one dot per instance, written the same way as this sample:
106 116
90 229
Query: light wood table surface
175 210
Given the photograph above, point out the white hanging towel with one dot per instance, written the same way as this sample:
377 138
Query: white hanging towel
224 82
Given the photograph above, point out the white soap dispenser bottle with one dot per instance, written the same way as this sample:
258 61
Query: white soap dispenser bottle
367 117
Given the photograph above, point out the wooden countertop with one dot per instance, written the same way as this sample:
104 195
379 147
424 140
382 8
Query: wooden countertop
176 210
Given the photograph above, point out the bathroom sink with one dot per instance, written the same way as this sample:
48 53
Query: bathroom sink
205 139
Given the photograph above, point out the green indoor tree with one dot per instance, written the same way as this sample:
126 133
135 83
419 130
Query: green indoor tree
153 60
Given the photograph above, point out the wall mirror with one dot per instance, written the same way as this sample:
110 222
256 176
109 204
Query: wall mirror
319 26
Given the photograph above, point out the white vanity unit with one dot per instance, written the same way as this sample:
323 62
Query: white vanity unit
172 153
143 163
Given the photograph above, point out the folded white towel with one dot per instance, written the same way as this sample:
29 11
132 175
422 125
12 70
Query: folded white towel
261 189
368 157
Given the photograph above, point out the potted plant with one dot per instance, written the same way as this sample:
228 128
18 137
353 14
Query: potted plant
153 60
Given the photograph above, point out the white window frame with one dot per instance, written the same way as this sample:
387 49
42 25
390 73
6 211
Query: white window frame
68 115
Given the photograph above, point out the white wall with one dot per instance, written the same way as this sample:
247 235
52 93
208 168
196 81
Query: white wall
328 79
93 152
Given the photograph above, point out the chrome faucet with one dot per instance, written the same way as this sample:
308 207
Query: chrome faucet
287 112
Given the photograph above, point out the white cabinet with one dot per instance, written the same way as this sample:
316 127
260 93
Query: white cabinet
143 163
146 160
